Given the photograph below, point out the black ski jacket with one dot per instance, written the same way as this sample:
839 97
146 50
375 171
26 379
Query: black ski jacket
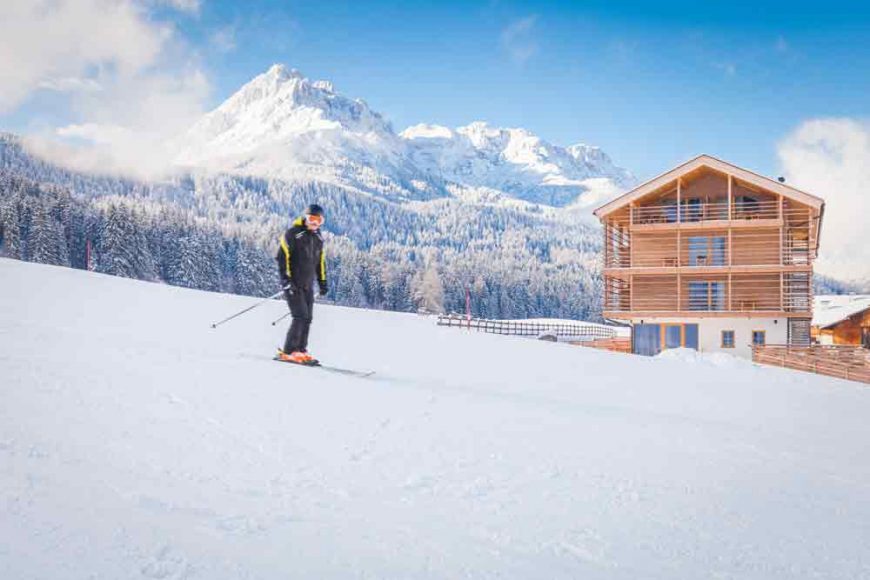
301 259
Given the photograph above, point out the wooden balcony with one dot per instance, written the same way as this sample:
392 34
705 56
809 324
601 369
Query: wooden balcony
709 295
700 215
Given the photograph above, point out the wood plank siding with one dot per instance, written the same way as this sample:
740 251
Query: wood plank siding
710 240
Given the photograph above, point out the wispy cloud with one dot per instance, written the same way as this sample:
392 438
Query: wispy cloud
831 158
224 39
518 39
190 6
729 68
129 80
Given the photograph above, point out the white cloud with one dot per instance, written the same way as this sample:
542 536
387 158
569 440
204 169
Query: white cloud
130 81
729 68
518 39
831 158
190 6
224 39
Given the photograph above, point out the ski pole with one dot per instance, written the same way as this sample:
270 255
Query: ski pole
273 296
285 315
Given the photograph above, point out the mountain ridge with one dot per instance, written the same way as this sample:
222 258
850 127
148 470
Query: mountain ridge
282 124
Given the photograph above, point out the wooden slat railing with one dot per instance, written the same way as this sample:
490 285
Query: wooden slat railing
579 332
845 362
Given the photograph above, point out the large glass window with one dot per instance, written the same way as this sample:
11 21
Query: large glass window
719 246
673 336
704 295
690 331
698 251
698 299
706 251
717 295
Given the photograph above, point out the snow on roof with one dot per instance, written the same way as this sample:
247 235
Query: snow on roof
832 308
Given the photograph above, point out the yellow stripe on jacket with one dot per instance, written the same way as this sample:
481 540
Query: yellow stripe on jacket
323 264
286 249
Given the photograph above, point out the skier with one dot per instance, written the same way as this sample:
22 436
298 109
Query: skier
301 261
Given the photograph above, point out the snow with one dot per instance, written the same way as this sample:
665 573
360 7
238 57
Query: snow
830 309
283 125
137 442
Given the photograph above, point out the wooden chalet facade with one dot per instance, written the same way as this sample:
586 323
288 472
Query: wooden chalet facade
711 256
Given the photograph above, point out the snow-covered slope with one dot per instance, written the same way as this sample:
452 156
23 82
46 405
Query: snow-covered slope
284 125
136 442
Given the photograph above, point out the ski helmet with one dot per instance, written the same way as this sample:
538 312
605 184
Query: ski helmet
314 209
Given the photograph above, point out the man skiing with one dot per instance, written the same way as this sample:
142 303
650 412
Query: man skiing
301 261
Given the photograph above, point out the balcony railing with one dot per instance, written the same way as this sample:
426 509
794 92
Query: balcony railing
746 293
688 212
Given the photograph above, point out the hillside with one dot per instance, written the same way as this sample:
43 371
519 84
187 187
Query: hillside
136 442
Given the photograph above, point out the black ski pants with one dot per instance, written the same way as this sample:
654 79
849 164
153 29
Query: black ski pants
301 304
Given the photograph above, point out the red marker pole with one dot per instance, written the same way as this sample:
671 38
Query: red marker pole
88 255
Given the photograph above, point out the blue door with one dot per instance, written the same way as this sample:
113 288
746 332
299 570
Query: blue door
691 334
646 339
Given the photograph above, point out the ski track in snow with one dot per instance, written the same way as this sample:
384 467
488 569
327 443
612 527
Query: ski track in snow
137 442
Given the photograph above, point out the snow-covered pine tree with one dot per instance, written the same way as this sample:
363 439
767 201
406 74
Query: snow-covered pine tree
46 243
124 248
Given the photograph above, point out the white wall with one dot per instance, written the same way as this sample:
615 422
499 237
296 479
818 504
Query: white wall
710 332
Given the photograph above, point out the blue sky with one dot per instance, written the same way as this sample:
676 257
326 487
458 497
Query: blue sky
652 83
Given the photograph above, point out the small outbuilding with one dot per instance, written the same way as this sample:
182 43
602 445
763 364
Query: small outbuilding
842 320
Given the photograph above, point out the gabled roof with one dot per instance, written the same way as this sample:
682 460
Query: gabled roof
828 310
717 165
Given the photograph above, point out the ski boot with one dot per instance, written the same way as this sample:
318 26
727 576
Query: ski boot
297 357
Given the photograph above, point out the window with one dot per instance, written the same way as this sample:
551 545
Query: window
705 295
717 295
704 251
698 251
758 338
718 250
692 210
727 339
673 336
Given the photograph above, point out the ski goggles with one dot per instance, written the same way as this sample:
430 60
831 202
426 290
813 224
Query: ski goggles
314 220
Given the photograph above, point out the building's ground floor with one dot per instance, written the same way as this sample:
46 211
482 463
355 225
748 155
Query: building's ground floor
736 335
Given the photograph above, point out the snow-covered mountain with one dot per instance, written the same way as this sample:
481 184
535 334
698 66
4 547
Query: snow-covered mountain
514 161
283 125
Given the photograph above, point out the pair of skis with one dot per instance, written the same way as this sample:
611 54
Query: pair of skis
329 368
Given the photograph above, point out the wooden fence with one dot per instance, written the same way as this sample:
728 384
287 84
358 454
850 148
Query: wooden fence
578 332
845 362
615 344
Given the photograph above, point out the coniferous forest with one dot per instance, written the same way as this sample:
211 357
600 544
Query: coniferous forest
222 237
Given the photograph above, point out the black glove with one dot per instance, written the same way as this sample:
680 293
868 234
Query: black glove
323 287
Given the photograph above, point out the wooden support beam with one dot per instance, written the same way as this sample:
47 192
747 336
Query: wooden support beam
730 215
729 291
679 200
679 292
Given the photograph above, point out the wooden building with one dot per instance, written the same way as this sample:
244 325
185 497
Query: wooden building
711 256
842 320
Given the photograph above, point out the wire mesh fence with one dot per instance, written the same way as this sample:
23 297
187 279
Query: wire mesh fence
577 332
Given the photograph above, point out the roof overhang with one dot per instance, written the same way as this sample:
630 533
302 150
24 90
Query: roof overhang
717 165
